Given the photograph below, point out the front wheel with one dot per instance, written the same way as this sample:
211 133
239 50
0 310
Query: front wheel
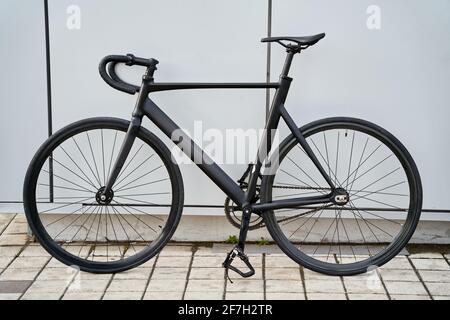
71 218
378 174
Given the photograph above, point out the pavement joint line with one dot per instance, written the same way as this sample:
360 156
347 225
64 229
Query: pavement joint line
420 278
7 225
342 279
225 279
448 262
149 277
22 249
383 284
194 250
264 276
35 277
113 275
70 282
302 278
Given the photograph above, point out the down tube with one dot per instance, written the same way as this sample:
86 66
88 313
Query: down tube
193 151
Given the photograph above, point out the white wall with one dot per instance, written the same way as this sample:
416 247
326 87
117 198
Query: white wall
23 96
396 76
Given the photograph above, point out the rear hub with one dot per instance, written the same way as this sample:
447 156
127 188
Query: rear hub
341 197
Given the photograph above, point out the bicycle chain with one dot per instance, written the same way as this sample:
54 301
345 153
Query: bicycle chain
259 223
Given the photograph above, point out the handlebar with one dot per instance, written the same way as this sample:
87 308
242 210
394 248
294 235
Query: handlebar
110 76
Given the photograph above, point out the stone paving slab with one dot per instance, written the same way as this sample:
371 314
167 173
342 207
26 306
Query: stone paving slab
195 272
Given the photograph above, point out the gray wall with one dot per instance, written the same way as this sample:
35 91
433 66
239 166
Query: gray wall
396 76
23 114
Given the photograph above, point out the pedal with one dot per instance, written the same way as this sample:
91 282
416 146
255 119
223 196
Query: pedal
227 264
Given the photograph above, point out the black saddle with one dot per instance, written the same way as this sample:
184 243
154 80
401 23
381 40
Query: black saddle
300 42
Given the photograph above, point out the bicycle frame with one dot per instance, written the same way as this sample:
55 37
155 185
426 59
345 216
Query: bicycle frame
243 199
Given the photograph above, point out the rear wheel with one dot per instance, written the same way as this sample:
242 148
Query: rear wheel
384 188
75 223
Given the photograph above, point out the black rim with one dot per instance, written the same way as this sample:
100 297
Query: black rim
335 247
126 226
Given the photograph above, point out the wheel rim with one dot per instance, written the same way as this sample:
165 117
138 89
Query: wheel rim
380 227
122 228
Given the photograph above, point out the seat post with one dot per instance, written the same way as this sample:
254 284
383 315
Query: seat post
287 63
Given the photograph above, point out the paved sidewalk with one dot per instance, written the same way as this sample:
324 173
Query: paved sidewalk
189 271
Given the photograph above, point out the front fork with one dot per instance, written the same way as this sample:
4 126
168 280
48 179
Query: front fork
127 144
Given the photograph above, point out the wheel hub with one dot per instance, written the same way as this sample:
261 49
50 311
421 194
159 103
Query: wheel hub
104 198
341 197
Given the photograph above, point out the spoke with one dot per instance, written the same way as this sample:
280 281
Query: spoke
71 159
65 167
328 165
96 234
66 205
334 233
294 194
382 189
373 167
129 224
103 158
75 184
366 221
321 241
112 153
114 231
41 198
375 215
82 225
295 231
139 210
65 216
129 174
117 215
312 227
378 180
350 160
143 184
326 153
362 234
61 187
314 181
299 180
129 162
140 201
89 231
137 218
337 157
360 165
144 175
337 228
93 157
293 218
348 238
379 202
142 194
84 157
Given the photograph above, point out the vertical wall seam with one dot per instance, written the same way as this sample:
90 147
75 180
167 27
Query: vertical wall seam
268 54
49 95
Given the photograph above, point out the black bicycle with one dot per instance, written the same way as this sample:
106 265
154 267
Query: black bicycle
338 195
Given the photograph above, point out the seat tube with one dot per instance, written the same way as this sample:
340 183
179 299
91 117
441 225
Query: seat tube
272 124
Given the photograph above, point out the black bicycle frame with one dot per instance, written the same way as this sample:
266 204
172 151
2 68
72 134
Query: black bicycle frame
243 199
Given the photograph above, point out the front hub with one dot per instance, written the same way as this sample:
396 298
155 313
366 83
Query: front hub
341 197
104 198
